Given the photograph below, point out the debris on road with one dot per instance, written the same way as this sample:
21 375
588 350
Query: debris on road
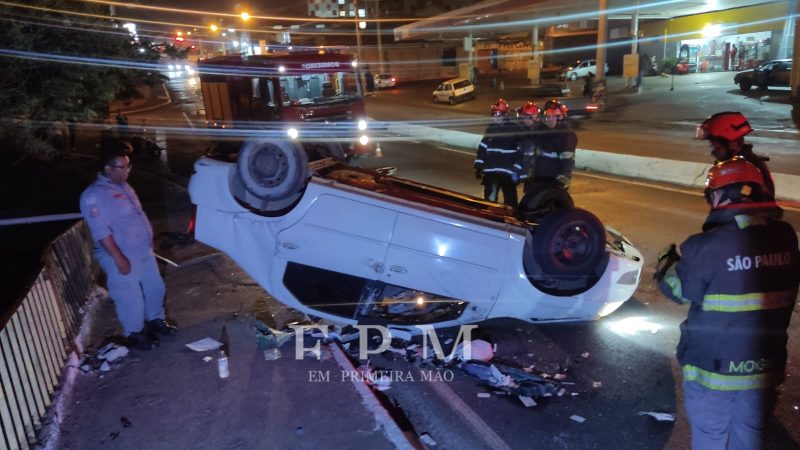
112 352
207 358
483 395
480 350
527 401
585 355
577 418
109 353
204 345
597 384
125 422
426 439
659 416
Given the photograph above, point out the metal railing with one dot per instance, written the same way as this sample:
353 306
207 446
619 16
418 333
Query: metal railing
38 335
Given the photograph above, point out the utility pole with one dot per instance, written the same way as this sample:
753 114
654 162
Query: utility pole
378 28
602 36
358 32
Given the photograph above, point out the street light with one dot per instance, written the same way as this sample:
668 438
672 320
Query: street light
245 16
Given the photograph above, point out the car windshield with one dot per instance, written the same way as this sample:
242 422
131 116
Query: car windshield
320 88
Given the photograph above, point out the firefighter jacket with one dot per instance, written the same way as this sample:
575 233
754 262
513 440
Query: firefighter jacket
741 277
555 154
528 145
498 151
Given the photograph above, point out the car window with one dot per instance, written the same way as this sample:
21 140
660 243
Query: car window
461 84
448 87
440 87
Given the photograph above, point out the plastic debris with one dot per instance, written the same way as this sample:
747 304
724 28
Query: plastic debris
559 376
207 358
204 345
448 341
659 416
267 338
577 418
383 383
480 349
105 367
527 401
585 354
112 352
597 384
271 354
222 365
484 395
561 392
426 439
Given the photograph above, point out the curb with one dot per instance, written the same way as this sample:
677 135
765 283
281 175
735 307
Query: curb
682 173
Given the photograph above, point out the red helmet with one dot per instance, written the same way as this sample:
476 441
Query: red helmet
500 108
728 125
529 109
554 107
737 178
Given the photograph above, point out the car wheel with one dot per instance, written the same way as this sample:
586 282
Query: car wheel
272 173
569 242
573 76
452 100
745 85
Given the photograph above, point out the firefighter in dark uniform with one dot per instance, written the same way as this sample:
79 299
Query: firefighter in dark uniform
499 161
529 116
725 132
555 154
740 277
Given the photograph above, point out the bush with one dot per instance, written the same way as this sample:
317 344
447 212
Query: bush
669 64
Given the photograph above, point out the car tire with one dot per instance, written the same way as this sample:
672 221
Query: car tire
745 85
271 172
541 203
573 76
569 242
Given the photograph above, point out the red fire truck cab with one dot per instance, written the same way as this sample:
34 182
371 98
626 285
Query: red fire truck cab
313 99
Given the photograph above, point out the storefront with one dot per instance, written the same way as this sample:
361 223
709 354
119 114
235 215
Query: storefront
733 52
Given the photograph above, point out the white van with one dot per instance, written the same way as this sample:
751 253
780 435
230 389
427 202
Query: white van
454 90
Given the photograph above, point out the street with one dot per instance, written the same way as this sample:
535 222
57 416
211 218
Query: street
630 353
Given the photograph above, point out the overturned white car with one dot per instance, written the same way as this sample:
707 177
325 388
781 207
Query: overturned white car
355 245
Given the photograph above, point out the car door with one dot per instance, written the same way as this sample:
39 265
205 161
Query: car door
341 235
447 258
782 74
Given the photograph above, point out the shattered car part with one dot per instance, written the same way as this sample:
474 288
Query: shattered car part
349 244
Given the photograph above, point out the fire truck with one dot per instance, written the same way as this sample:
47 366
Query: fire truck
313 99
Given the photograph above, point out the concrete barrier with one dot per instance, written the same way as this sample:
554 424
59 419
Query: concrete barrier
682 173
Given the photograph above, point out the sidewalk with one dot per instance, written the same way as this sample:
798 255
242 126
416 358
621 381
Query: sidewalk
171 397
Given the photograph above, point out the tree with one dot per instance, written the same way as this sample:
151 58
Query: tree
58 66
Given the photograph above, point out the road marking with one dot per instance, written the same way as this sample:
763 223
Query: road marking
390 428
481 428
188 120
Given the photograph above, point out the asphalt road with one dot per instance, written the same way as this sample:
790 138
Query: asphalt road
634 363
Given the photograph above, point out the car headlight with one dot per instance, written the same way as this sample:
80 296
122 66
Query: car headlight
362 125
363 140
293 133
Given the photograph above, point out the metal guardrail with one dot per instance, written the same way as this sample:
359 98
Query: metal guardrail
38 336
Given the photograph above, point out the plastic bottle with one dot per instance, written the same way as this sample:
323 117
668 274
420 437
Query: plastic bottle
222 365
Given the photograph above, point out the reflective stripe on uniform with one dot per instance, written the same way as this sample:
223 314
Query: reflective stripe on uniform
720 382
745 220
567 155
553 155
755 301
478 161
674 283
501 150
498 169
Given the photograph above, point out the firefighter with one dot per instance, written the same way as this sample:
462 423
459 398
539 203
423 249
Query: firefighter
499 161
725 132
529 119
555 155
740 277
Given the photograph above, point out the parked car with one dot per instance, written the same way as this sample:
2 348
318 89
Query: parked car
350 244
454 91
385 81
581 69
772 73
